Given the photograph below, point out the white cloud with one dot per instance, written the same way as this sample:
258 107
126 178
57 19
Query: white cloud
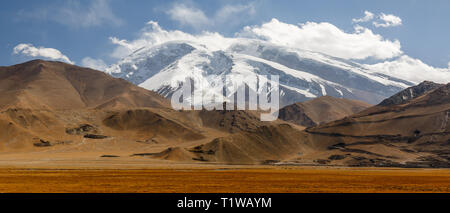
74 15
96 64
368 16
326 38
383 20
40 52
233 14
413 70
153 35
189 15
320 37
388 21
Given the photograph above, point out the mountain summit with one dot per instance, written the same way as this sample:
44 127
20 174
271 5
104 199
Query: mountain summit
304 75
413 132
321 110
42 84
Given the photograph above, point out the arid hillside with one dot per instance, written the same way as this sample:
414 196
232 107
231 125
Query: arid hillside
414 132
58 86
53 108
321 110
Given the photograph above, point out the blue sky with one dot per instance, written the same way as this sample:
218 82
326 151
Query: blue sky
82 28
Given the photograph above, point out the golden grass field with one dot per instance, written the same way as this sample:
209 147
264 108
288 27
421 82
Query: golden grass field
227 179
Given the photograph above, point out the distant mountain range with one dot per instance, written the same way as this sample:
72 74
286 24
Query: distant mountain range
52 106
48 109
304 75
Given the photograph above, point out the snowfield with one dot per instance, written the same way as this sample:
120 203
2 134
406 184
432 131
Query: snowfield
303 74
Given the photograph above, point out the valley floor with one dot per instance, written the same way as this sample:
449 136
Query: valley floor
111 175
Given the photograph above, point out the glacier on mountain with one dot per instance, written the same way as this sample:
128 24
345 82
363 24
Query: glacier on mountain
303 74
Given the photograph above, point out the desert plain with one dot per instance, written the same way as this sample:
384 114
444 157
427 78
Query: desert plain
128 175
65 128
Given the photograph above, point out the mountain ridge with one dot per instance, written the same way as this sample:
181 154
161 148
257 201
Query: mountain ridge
90 114
304 75
321 110
410 93
415 133
42 85
73 111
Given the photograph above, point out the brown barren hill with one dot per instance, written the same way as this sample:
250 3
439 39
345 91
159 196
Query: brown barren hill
239 137
54 111
321 110
60 108
46 104
412 133
42 84
410 93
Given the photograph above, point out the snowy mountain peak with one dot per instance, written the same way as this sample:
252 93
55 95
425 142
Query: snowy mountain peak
303 74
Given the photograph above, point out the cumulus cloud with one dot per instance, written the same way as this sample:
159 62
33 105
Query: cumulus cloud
368 17
189 15
74 15
388 21
413 70
152 34
326 38
96 64
382 20
40 52
319 37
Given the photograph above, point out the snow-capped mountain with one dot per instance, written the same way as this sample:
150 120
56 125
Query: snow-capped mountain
303 74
